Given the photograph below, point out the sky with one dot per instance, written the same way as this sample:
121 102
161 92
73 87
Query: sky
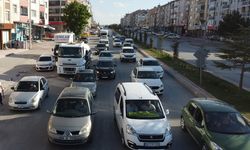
108 12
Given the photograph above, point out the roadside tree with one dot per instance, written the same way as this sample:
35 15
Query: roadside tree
238 53
76 16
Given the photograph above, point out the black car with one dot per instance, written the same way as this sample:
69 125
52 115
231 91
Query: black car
100 47
105 69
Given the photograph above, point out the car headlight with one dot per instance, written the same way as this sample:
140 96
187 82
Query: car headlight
85 129
167 131
130 130
113 71
161 86
214 146
33 100
51 129
97 72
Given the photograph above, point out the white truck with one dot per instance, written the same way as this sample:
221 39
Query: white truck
104 33
73 57
62 38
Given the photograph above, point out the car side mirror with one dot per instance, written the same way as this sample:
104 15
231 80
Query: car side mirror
167 111
94 113
13 88
42 88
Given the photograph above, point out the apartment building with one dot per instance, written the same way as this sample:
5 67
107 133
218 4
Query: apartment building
56 12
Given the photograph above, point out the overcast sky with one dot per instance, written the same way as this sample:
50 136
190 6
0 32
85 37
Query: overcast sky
111 11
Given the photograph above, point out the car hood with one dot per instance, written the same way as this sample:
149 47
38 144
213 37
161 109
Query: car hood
89 85
44 62
22 96
230 141
71 124
156 68
150 82
153 126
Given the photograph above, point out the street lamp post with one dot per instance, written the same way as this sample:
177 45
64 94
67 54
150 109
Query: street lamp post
30 26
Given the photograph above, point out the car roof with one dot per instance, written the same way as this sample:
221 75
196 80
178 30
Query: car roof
77 92
45 55
31 78
213 105
145 68
85 71
138 90
149 59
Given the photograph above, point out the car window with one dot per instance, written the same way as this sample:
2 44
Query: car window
27 86
44 80
45 58
41 84
198 116
117 95
134 71
191 109
121 106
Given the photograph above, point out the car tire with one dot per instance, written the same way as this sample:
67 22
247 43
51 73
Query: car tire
182 123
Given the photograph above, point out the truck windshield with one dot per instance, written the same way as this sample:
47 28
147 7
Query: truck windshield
70 52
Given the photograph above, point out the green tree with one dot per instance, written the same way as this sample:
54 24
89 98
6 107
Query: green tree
175 48
76 16
231 24
238 53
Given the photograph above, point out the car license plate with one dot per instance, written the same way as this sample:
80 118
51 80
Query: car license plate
152 144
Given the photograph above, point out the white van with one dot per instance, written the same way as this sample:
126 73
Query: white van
140 117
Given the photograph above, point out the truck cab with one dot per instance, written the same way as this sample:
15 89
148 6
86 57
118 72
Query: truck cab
73 57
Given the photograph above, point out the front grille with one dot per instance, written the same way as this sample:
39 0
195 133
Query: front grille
69 141
69 64
128 55
21 102
155 138
154 87
72 132
59 132
69 69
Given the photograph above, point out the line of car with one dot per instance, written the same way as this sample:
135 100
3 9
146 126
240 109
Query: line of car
137 109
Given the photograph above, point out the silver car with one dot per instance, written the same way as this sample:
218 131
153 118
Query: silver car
85 78
29 93
71 120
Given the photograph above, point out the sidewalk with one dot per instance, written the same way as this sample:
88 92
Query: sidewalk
7 52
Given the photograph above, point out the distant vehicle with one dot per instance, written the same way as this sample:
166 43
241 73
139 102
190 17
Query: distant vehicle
141 118
117 43
72 118
105 41
128 54
104 32
129 40
127 45
62 38
45 63
105 55
215 125
105 69
148 75
172 36
122 38
86 78
104 37
100 47
73 58
153 63
29 93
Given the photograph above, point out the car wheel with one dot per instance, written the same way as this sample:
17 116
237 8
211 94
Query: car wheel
183 126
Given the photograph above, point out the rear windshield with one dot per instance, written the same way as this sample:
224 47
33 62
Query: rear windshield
128 51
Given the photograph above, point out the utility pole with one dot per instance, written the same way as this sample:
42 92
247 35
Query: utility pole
30 26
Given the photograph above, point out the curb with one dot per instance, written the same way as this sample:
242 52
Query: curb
188 84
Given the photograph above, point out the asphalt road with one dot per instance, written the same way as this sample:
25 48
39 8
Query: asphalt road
27 130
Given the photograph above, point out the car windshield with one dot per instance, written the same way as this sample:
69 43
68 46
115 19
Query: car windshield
144 109
128 50
147 75
105 55
27 86
127 45
105 64
150 63
45 59
129 41
71 108
226 122
84 77
117 41
105 42
69 52
100 45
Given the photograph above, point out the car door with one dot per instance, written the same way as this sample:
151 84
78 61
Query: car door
198 127
120 114
188 115
45 87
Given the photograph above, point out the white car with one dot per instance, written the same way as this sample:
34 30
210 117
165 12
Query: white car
127 45
140 117
128 53
172 36
29 93
117 43
105 55
45 63
153 63
148 76
129 40
105 41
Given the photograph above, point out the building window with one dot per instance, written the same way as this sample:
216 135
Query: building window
46 4
14 8
33 1
7 15
45 16
24 11
41 15
33 13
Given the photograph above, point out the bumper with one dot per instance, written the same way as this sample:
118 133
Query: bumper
72 140
69 69
23 106
128 58
133 143
44 68
117 44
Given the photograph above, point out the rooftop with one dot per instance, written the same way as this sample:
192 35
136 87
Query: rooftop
76 92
